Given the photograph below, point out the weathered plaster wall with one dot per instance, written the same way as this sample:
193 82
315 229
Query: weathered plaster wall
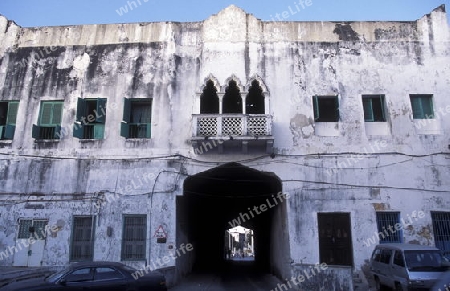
403 171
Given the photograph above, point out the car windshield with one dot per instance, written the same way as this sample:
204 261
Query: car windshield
56 276
424 260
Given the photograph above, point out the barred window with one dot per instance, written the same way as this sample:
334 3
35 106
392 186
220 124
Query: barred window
441 228
82 239
134 237
386 222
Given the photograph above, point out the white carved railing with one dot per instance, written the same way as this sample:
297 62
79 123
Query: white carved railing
232 125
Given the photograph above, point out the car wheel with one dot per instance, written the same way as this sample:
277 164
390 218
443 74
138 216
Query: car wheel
398 287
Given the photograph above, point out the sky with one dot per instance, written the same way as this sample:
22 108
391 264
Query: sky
31 13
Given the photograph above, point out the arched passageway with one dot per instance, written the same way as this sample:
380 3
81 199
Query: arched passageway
226 196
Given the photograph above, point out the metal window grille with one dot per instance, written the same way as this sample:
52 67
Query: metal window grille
47 132
441 227
28 227
134 237
24 228
386 222
82 239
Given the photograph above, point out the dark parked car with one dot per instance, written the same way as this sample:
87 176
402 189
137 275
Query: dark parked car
105 276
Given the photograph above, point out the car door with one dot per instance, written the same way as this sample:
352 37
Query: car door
108 278
384 267
79 279
399 272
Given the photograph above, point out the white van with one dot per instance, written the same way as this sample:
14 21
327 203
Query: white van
406 266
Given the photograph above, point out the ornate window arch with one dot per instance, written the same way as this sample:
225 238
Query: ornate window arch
232 100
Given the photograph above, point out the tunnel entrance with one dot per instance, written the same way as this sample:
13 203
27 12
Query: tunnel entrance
224 198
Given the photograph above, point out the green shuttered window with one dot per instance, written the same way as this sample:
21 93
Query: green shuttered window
137 116
91 118
49 122
422 106
8 117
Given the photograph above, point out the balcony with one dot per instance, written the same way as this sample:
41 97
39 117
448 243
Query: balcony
232 133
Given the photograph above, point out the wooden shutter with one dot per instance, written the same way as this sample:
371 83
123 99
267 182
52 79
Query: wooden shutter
336 103
57 113
9 131
427 107
124 129
101 108
81 108
126 110
78 130
12 112
35 133
316 107
99 130
416 105
46 113
368 110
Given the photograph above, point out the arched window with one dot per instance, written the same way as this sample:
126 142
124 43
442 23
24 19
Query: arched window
232 101
254 102
209 101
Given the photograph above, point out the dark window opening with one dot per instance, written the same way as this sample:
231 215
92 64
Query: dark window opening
137 116
386 222
326 108
254 103
8 115
82 239
335 242
209 101
398 259
441 228
134 237
49 123
232 101
422 106
373 108
91 117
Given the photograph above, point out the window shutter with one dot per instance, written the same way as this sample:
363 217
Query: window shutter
316 108
35 133
427 107
336 103
46 113
81 108
416 105
124 129
2 129
383 113
149 130
10 129
101 110
368 110
99 130
126 109
57 113
12 112
78 130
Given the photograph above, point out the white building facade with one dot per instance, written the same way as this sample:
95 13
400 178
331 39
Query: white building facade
125 142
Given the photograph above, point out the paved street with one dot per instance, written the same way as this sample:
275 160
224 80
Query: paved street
240 276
